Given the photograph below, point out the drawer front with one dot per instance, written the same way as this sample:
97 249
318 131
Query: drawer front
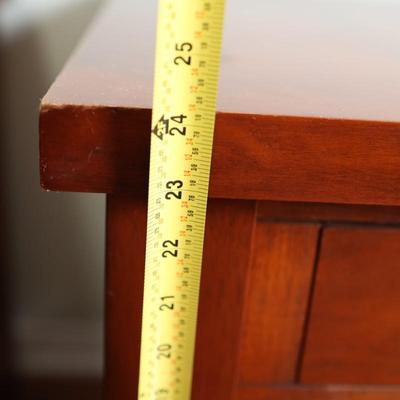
353 335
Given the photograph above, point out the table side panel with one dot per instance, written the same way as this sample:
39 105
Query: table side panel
277 302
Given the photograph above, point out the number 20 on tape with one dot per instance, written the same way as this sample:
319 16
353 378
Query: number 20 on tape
189 34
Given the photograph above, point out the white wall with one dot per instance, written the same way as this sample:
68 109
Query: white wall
55 241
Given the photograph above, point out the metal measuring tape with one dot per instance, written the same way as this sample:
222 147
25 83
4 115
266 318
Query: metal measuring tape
189 35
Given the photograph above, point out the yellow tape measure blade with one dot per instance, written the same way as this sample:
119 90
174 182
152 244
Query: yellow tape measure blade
188 50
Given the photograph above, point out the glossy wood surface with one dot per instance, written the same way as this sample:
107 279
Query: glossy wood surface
126 227
318 212
262 332
254 157
277 302
95 120
328 392
307 112
227 243
333 59
354 329
226 262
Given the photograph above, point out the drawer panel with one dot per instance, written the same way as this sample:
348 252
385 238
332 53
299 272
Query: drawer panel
353 335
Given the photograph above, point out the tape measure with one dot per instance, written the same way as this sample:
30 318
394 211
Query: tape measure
188 51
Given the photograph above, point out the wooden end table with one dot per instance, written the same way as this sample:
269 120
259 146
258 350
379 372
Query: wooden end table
304 196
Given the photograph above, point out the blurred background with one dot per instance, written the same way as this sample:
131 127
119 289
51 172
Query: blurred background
52 245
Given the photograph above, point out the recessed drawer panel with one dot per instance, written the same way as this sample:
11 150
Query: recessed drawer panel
353 334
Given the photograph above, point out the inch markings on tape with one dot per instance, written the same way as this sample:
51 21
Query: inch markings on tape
189 35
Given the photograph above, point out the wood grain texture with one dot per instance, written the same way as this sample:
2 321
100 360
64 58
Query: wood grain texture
354 329
330 59
227 248
254 157
312 117
126 228
226 262
328 392
95 120
318 212
95 150
276 302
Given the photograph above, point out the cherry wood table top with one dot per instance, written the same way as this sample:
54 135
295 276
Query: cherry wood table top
308 103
